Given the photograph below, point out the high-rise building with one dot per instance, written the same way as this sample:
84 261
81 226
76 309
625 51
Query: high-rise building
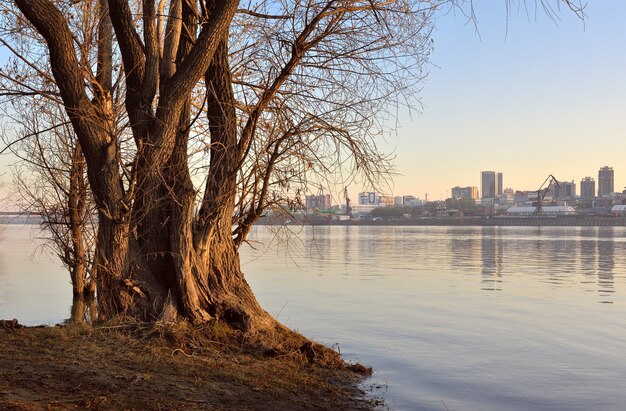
410 201
491 184
605 181
369 198
386 201
320 202
564 190
587 188
464 192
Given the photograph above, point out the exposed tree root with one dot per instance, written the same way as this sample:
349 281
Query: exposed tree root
10 325
273 340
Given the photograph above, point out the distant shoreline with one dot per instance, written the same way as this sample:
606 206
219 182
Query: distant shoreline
565 221
470 222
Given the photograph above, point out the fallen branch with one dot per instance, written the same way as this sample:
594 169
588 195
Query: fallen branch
10 325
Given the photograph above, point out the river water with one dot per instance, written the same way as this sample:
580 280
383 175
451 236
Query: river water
451 318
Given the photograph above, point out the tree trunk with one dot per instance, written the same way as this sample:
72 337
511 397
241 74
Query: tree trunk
76 207
77 313
229 295
83 309
152 252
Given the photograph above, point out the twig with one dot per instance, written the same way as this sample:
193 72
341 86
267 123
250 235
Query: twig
182 352
195 401
114 326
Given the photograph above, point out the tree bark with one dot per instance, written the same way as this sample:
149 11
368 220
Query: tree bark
100 149
76 209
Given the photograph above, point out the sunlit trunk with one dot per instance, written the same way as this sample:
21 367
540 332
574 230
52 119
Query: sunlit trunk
76 208
84 309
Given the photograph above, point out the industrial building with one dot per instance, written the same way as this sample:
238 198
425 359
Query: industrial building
619 210
545 211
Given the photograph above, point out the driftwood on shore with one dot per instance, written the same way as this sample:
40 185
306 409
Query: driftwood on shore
10 325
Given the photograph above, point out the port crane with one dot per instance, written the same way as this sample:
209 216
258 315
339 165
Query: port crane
348 209
541 192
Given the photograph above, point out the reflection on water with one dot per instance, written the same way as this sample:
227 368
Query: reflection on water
491 256
606 265
34 288
459 318
467 318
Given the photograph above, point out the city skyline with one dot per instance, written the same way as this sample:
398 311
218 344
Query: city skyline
527 96
594 179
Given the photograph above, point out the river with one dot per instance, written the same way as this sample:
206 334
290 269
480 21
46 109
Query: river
451 318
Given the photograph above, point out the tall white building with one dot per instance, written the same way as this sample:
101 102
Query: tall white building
369 198
410 201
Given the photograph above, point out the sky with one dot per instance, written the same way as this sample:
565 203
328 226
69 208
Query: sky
525 96
531 99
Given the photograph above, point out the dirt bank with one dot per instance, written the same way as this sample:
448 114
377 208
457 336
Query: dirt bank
130 366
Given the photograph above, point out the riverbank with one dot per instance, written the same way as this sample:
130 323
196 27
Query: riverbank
132 366
561 221
565 221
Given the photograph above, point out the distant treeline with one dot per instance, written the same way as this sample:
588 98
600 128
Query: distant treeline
12 218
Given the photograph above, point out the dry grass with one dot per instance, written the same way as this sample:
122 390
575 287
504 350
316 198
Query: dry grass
125 364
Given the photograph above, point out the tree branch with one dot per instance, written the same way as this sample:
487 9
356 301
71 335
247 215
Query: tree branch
130 44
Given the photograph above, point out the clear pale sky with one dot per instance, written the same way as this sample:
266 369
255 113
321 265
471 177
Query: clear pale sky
534 98
528 100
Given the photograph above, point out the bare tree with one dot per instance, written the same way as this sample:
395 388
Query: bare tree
231 109
50 174
50 177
